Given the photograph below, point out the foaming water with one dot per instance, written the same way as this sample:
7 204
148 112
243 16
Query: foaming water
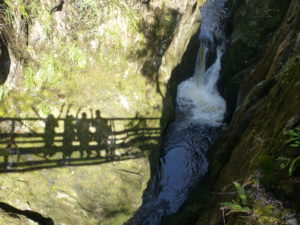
199 97
199 114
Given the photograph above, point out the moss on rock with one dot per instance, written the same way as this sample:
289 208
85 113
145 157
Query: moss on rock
84 58
267 90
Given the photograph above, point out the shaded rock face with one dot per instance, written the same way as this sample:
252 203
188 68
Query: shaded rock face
253 24
107 193
4 61
260 82
179 60
10 218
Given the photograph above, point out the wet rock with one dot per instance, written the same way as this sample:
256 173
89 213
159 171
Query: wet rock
254 139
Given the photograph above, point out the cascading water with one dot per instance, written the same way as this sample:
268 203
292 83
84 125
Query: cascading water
199 114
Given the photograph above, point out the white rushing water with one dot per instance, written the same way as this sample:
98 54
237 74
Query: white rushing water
198 96
200 111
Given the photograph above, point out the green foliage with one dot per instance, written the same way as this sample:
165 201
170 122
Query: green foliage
48 71
241 193
201 2
268 166
294 164
92 50
166 25
235 207
29 77
45 109
75 56
36 76
3 92
293 137
260 208
51 68
294 142
284 162
111 20
21 12
19 8
46 21
9 15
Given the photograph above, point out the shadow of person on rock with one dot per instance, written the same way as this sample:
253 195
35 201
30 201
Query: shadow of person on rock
69 133
102 132
68 136
49 134
83 135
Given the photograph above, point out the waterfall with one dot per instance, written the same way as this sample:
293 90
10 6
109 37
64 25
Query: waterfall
199 114
198 96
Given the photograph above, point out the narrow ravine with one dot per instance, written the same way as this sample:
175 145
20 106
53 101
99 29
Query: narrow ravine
199 115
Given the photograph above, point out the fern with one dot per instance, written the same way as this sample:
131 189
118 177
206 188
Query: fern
241 193
294 164
294 137
235 207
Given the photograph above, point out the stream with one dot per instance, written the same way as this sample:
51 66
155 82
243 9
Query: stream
199 115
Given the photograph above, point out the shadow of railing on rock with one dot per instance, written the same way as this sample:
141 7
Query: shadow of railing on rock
73 142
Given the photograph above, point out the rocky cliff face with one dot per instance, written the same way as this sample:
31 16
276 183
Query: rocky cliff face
144 51
258 149
72 57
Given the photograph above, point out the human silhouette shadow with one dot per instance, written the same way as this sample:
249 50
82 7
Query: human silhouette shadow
51 124
94 140
83 135
101 135
49 134
68 136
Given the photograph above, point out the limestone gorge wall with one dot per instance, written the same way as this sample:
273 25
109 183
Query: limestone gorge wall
258 149
65 58
126 58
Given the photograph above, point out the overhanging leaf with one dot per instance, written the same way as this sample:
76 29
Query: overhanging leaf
293 166
242 193
235 208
